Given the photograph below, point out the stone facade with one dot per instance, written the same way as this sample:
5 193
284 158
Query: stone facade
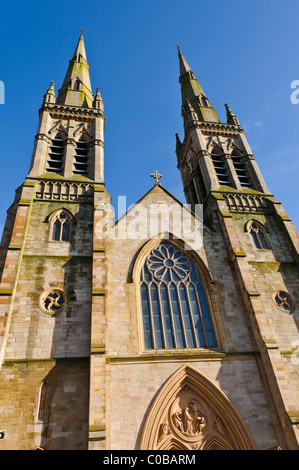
76 372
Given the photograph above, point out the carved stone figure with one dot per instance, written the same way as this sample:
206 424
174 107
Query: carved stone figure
189 421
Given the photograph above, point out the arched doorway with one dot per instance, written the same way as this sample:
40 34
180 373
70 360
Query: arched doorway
191 413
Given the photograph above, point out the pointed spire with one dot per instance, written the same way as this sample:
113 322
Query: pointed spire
184 67
80 49
231 117
193 95
76 87
50 97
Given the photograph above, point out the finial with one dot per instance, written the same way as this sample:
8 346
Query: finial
156 175
178 47
82 31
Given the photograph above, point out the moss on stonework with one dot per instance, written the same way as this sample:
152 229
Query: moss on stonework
98 291
265 266
6 291
56 177
257 216
228 189
240 253
226 214
24 202
95 428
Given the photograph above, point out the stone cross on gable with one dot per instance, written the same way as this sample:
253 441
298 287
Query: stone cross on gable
156 175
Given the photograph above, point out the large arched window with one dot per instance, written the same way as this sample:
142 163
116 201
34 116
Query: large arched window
174 304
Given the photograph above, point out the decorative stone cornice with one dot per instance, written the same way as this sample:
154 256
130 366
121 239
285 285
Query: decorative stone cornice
215 128
59 111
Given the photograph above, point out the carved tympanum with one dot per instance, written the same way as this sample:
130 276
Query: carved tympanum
191 413
188 419
191 422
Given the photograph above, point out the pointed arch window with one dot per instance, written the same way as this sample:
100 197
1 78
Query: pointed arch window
56 154
258 236
174 304
81 157
61 227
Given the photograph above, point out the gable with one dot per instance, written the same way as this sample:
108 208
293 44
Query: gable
158 213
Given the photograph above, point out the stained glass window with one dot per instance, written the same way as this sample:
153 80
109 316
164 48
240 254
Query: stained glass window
174 304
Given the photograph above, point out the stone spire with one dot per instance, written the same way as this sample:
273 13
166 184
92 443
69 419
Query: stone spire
76 87
193 95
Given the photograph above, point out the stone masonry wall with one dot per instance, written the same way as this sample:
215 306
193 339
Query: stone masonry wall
134 374
66 427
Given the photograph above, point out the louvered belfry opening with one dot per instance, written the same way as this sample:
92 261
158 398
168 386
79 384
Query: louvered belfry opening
56 154
81 157
241 170
221 169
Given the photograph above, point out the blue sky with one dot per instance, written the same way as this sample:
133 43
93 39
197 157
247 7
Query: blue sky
245 54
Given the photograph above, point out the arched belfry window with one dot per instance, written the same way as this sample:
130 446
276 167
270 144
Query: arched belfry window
174 304
258 235
61 227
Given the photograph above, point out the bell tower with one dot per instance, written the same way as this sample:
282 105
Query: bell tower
219 171
214 156
52 274
70 137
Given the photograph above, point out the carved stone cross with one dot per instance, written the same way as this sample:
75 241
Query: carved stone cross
156 175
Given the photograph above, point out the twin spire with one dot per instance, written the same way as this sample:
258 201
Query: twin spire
76 88
195 104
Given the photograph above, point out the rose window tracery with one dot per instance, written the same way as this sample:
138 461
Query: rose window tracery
53 301
166 259
283 301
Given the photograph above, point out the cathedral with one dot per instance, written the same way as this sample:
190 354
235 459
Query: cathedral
172 328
